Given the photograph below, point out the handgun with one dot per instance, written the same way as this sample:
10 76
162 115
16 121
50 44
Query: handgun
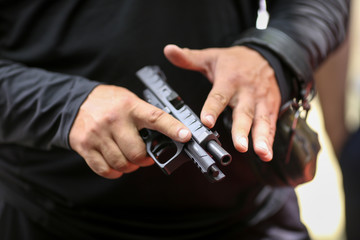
204 145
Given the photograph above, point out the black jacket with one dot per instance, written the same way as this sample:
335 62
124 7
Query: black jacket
53 53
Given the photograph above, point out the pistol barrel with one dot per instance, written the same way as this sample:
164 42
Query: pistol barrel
218 153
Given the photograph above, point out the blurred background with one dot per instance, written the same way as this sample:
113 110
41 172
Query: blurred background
322 200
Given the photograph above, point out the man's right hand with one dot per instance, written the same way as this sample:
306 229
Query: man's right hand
106 130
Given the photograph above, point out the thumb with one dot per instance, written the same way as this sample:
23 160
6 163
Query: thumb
185 58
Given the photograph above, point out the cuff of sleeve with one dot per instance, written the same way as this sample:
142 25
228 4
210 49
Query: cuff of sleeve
79 91
285 48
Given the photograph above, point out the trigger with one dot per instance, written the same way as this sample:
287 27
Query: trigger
159 148
163 148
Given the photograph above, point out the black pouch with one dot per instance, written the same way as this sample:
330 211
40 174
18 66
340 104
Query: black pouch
296 147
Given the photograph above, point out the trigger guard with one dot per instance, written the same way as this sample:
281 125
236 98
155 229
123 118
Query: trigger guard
155 151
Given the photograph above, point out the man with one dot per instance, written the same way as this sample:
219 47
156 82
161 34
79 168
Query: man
70 102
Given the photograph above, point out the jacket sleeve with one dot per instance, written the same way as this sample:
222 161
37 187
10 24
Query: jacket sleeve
301 33
38 107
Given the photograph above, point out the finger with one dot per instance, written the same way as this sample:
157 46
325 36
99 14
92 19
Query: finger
115 158
215 104
134 150
186 58
263 132
88 146
243 117
148 116
98 165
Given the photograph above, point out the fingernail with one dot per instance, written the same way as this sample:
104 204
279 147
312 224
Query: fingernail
210 119
262 145
183 133
242 141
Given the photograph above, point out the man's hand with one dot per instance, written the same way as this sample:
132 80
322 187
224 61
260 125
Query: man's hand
243 79
106 130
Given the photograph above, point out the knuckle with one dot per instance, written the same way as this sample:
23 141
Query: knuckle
243 76
92 130
126 99
236 76
136 156
99 168
110 118
155 115
248 112
220 98
104 171
264 118
120 165
84 141
262 92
